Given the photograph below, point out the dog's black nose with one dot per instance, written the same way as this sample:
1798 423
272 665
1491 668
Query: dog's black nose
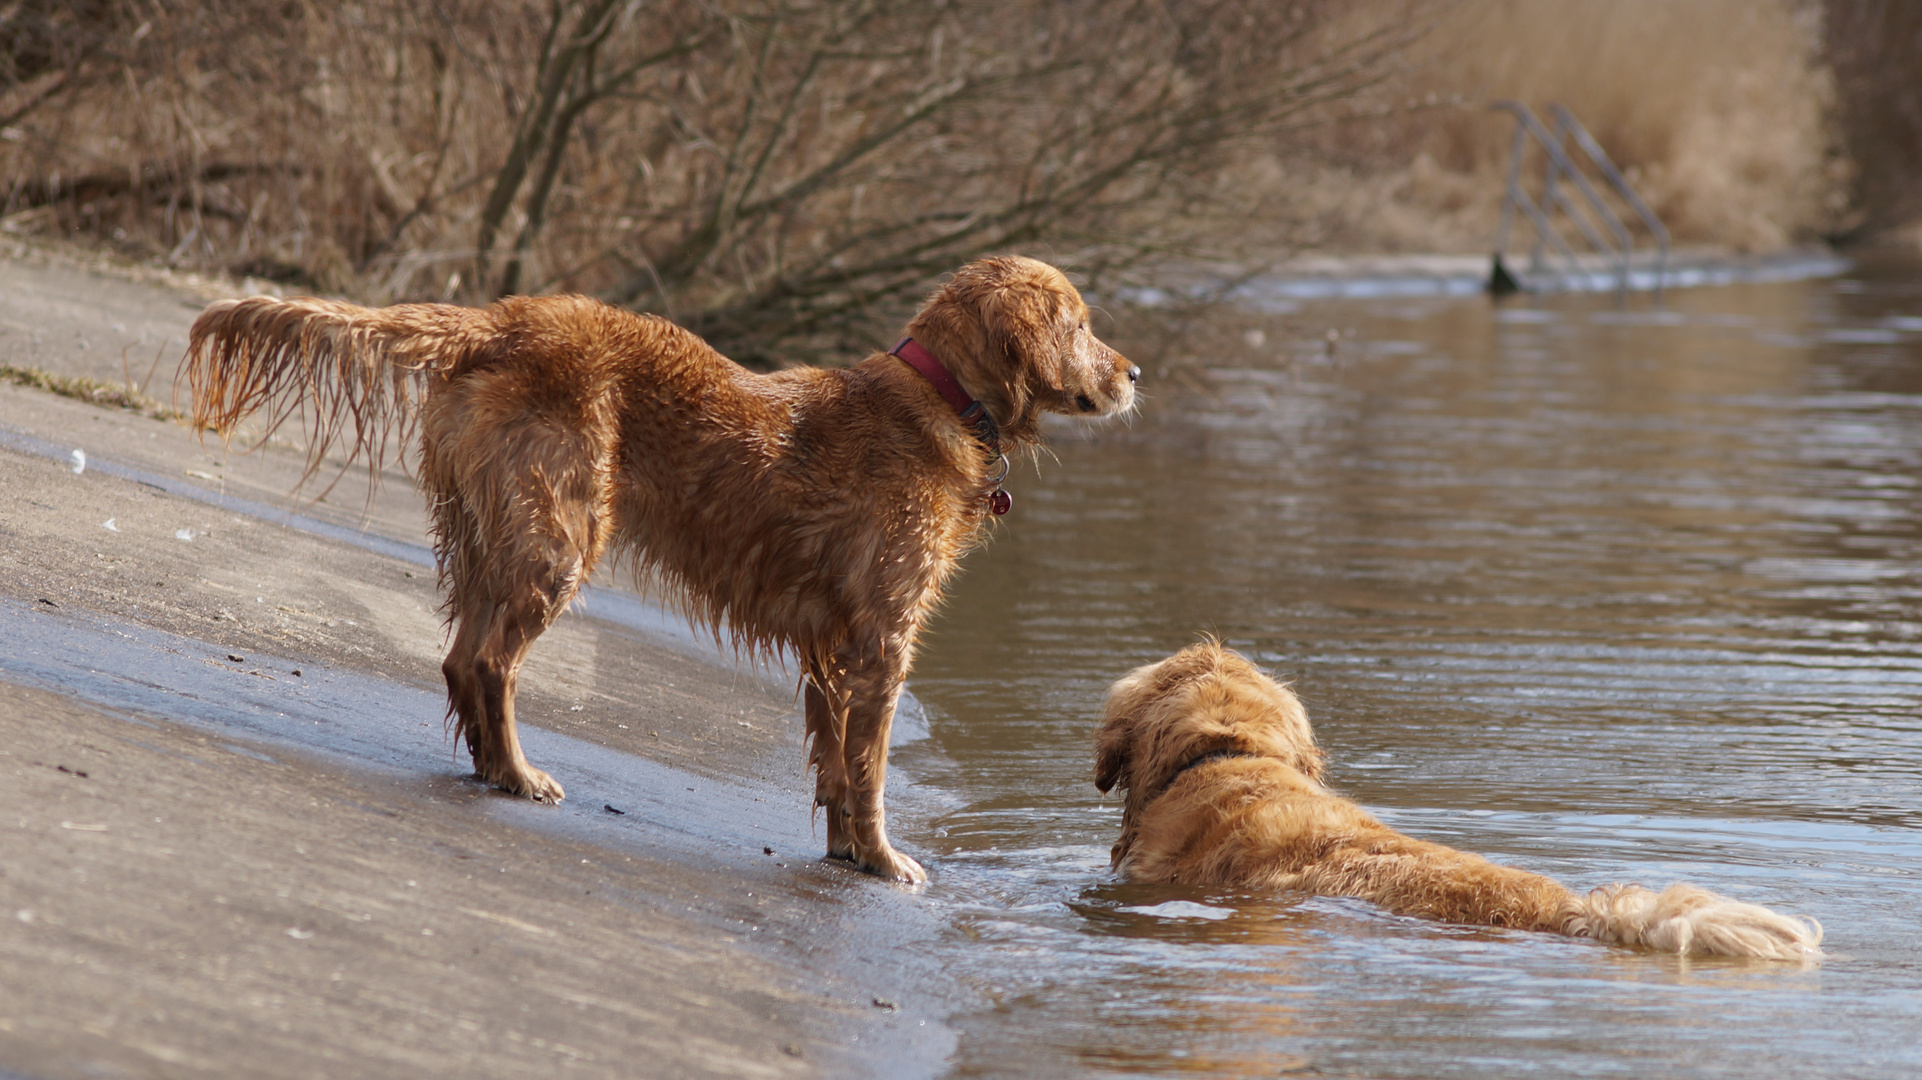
1134 373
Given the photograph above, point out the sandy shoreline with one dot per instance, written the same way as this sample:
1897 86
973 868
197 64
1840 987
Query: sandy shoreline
270 874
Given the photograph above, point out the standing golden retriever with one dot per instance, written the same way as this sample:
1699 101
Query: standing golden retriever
1223 784
817 510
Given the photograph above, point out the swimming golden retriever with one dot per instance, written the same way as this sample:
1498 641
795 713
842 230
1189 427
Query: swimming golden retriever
816 510
1223 782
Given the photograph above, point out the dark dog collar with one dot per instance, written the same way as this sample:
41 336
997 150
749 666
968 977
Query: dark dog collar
972 412
1199 759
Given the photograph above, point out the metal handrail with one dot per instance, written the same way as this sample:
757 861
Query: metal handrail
1565 122
1544 228
1593 209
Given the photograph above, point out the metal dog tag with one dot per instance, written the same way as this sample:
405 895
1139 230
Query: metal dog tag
1000 502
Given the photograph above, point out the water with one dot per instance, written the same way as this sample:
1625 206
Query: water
1610 593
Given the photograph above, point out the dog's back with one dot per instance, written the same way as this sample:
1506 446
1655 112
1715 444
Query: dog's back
1256 822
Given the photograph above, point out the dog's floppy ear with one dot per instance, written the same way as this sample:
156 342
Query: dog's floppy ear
1112 752
1020 318
1120 724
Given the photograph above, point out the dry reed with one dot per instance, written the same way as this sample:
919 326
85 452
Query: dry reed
788 174
1719 111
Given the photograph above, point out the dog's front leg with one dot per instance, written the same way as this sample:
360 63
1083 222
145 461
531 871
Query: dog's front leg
864 690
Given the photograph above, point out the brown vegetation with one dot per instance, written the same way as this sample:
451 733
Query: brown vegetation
93 391
785 176
760 170
1875 49
1719 111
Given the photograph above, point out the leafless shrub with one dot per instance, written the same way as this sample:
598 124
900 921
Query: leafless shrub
50 49
766 171
1875 48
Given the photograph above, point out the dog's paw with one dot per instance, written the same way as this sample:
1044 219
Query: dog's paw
531 783
541 787
894 866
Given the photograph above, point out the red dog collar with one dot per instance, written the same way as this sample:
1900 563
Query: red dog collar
972 412
935 371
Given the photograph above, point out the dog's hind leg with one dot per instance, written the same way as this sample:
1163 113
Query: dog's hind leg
493 673
464 702
525 523
531 582
827 719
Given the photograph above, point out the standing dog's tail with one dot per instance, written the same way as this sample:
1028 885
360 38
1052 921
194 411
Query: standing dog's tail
1684 919
353 374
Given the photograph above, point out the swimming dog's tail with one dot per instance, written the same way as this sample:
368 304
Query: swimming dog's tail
1692 921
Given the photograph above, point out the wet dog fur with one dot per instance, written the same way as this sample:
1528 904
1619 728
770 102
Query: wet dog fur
819 511
1223 785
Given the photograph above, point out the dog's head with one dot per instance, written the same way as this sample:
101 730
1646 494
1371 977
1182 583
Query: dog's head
1202 699
1015 334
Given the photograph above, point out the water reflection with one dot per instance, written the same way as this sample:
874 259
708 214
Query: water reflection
1611 593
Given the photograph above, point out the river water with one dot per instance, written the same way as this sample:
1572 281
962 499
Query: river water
1609 591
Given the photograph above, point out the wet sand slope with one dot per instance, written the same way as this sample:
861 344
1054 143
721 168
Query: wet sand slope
213 865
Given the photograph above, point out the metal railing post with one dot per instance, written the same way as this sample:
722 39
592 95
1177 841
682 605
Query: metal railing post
1586 214
1566 119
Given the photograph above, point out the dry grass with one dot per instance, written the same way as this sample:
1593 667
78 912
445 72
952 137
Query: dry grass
92 391
1720 111
792 174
